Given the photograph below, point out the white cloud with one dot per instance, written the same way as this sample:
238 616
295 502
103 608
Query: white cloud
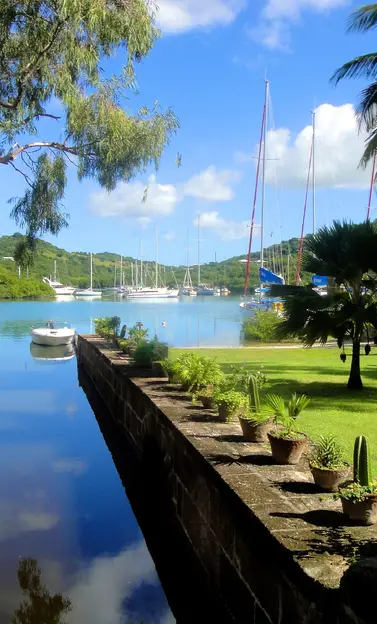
277 16
127 200
225 229
339 148
160 200
212 185
177 16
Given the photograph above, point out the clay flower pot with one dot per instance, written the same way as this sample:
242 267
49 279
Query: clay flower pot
328 479
226 413
207 401
362 512
254 431
286 450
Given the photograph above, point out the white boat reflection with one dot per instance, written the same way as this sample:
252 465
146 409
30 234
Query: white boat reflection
59 353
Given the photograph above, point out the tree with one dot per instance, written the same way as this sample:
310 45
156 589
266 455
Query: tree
364 19
345 252
39 606
55 51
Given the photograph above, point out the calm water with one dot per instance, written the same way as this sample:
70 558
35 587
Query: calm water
198 321
61 500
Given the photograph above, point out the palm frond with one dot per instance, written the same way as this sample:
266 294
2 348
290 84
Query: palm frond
361 67
297 404
367 108
370 149
275 404
363 19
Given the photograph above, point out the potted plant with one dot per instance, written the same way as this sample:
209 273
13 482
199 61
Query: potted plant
229 403
168 366
327 464
287 444
359 497
255 423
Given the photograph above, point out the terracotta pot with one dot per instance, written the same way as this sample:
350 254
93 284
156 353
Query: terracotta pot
255 431
225 413
207 402
364 511
330 480
286 451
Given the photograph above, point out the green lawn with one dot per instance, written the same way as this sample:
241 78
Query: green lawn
321 375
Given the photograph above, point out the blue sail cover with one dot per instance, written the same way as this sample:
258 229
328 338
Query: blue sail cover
268 277
320 280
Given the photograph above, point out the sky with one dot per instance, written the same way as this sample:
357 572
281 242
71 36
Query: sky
210 67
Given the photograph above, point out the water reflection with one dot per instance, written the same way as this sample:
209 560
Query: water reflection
63 504
39 606
59 353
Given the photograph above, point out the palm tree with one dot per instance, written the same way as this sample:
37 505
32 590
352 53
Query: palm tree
347 253
364 19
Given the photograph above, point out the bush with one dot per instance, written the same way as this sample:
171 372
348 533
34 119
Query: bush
262 326
12 287
149 351
107 327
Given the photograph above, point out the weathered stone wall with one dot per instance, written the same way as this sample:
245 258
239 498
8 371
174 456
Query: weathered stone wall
265 545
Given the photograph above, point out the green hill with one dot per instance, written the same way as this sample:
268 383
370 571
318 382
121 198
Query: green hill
73 267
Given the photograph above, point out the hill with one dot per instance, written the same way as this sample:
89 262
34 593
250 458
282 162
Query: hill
73 267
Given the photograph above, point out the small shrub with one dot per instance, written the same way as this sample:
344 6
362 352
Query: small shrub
327 453
262 326
138 333
149 351
239 376
286 415
107 327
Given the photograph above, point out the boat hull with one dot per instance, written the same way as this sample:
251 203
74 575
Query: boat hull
152 294
52 337
88 293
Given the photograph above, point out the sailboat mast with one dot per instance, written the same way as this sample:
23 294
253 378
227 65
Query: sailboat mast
199 250
91 271
55 273
371 185
115 274
314 181
156 262
141 262
267 94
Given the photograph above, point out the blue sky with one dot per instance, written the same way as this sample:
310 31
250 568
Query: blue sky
210 67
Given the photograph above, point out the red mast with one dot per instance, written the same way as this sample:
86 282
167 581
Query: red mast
299 260
255 201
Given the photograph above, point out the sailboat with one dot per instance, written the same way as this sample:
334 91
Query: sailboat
59 288
266 277
187 289
152 292
89 292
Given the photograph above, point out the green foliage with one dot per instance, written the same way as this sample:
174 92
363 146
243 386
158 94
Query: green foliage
356 492
254 398
364 19
284 414
238 378
107 327
262 326
11 287
168 366
137 334
195 373
231 399
149 351
362 471
56 51
327 453
346 253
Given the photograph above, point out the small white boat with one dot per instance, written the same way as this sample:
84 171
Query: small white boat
52 336
152 293
60 289
89 292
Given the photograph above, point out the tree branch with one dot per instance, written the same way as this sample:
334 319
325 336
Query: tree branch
69 149
23 174
37 115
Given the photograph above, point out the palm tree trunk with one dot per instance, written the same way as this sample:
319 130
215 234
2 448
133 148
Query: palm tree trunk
354 381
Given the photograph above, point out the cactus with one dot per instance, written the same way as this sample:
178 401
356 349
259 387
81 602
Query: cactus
254 399
362 472
123 332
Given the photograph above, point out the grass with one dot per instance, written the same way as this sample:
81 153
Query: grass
321 375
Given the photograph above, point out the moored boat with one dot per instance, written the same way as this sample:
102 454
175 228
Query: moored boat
51 335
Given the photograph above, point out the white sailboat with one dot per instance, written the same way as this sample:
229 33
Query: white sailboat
59 288
153 292
266 276
89 292
187 289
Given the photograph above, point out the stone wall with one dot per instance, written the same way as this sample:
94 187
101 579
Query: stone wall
265 546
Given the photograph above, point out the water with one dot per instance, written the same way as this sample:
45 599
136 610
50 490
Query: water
61 500
197 321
